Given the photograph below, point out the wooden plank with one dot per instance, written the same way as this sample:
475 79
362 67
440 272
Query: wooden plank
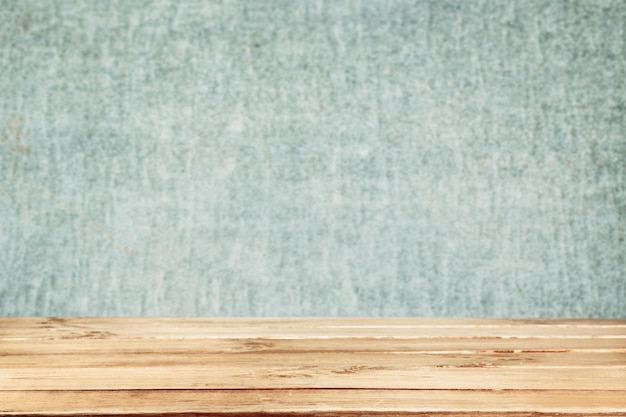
313 402
304 366
362 376
333 363
145 328
304 345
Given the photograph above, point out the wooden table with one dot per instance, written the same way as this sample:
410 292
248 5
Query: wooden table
321 366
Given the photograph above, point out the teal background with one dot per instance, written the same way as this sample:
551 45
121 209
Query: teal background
271 158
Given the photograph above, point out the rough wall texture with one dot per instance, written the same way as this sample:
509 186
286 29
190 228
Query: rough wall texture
430 158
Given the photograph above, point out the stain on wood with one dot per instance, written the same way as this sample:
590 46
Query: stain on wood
316 367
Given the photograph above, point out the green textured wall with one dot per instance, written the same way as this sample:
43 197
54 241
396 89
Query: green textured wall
441 158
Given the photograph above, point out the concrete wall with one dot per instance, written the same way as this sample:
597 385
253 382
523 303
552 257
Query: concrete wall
397 158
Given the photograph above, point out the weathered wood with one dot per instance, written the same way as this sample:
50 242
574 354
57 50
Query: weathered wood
322 366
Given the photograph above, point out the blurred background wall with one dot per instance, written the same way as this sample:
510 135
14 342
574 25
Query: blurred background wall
270 158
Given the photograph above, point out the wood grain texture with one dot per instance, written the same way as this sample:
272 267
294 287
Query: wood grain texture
132 367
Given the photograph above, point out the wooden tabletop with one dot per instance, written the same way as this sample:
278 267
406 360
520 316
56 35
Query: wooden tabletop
311 366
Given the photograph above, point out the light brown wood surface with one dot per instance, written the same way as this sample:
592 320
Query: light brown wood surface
316 366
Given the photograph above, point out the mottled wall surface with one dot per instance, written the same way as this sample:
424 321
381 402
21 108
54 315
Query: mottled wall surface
429 158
